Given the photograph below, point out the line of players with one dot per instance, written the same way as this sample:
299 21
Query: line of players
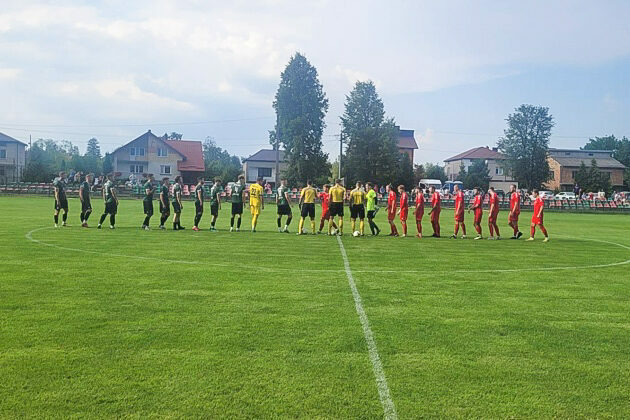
332 200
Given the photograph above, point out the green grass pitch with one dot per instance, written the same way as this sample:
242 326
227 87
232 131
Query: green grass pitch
128 323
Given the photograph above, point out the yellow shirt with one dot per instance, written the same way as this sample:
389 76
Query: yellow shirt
357 196
337 193
309 195
255 194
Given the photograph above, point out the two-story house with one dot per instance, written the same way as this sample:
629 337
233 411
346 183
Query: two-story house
163 158
12 159
499 179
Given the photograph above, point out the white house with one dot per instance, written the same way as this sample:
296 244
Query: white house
263 164
499 179
12 159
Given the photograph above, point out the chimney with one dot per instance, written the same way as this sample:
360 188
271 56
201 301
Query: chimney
149 131
495 149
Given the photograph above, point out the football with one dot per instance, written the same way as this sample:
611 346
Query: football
356 233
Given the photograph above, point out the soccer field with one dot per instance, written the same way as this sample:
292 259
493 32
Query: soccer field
102 323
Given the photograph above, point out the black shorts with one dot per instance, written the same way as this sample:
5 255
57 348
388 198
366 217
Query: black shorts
308 210
371 214
86 206
165 209
176 207
284 210
111 207
198 207
148 207
237 208
214 209
336 209
61 204
357 211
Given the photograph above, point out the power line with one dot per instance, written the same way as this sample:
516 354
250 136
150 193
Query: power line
136 124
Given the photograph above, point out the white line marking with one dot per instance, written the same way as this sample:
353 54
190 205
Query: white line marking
381 381
29 236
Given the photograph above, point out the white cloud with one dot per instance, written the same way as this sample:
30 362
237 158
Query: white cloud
8 73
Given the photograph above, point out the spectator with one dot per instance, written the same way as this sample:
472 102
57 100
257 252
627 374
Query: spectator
576 190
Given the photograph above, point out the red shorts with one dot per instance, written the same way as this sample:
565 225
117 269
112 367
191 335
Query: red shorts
459 217
326 215
492 218
419 215
403 214
435 216
537 220
478 216
513 217
391 215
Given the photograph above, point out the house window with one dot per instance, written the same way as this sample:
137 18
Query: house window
567 153
162 152
552 175
136 169
2 171
574 174
264 172
136 151
165 169
590 154
3 153
498 171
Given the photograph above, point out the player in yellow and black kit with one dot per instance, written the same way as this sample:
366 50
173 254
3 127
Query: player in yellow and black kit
337 197
256 203
307 205
357 207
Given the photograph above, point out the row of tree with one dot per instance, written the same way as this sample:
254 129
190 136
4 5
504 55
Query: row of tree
370 138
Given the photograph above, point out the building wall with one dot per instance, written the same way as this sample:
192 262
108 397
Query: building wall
250 168
408 152
151 161
12 167
554 182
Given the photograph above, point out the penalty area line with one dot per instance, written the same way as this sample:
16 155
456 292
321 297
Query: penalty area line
381 381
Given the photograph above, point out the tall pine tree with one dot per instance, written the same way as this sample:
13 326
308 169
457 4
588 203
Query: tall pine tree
301 106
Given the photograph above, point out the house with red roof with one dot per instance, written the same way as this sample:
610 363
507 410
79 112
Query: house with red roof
407 143
149 153
499 178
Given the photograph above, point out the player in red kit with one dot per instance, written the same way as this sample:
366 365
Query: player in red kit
419 210
459 212
493 213
404 208
477 208
436 207
515 210
391 209
323 196
537 217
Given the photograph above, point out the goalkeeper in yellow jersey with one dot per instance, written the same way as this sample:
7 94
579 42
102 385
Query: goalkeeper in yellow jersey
256 203
307 206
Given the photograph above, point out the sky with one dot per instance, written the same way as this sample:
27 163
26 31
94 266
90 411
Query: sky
450 70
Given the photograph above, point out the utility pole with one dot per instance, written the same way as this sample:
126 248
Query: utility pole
277 154
340 152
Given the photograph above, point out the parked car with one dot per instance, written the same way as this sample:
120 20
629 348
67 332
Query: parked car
565 195
545 194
